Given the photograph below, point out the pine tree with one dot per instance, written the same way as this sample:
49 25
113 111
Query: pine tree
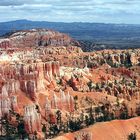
91 119
58 117
44 129
132 136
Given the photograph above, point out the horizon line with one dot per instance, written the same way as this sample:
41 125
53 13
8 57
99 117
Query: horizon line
70 22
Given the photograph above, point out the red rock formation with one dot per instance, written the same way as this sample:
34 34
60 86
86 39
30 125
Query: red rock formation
14 103
31 89
5 44
32 119
4 101
55 68
64 102
71 103
48 71
42 37
55 102
47 109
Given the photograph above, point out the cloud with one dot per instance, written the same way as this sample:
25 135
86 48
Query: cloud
12 2
71 10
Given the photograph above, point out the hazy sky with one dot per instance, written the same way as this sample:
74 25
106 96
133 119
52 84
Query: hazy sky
108 11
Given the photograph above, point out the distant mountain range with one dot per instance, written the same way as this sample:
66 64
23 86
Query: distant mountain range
114 35
78 30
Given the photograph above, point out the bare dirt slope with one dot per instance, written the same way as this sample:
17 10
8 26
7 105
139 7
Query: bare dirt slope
113 130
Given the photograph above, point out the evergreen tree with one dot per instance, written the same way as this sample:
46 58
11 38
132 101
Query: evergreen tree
44 129
86 120
75 102
9 129
91 119
138 110
21 130
58 117
132 136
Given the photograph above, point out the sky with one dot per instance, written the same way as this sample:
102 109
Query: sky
103 11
